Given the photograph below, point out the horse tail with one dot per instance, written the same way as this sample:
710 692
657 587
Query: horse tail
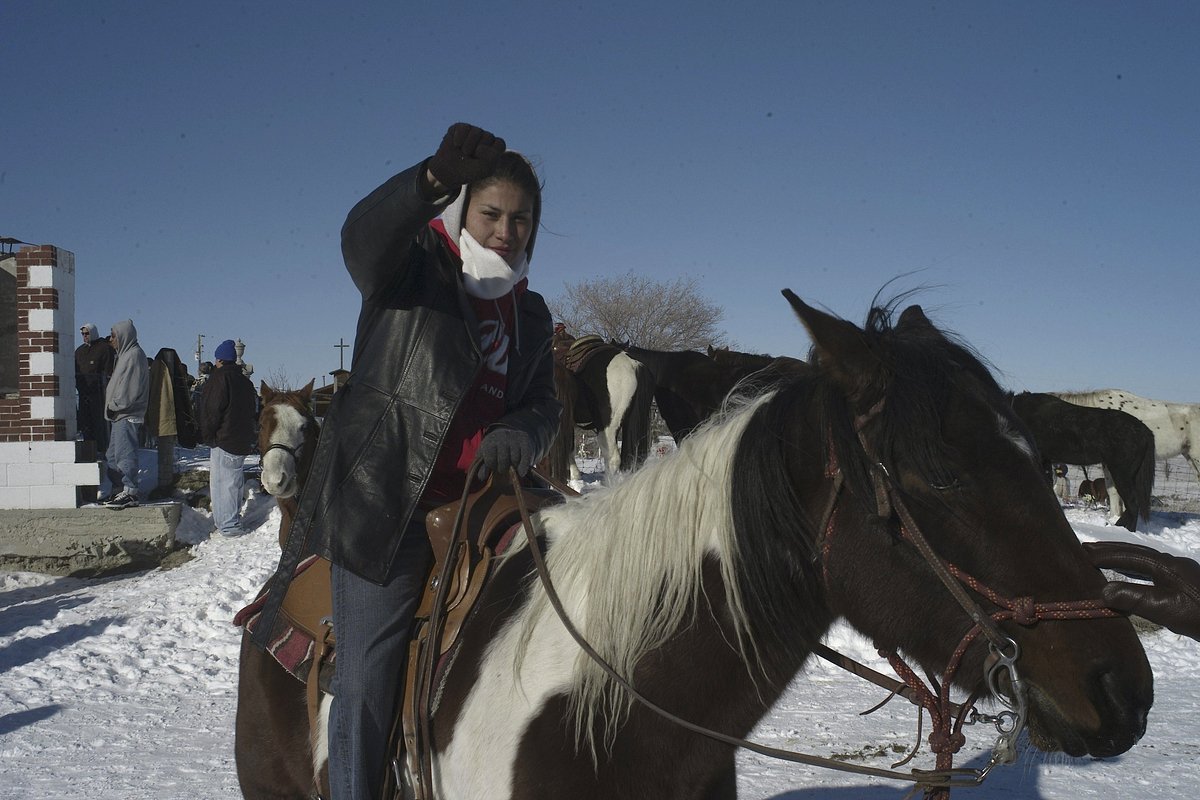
635 425
1143 481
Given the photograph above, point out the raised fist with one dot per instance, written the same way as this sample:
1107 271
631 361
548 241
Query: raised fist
467 154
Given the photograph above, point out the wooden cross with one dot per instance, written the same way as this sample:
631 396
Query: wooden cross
341 346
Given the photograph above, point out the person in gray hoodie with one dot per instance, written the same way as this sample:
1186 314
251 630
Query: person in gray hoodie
125 400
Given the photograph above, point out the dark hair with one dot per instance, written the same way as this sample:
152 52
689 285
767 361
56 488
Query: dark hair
514 168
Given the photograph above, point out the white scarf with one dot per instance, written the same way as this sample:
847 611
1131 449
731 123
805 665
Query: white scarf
486 274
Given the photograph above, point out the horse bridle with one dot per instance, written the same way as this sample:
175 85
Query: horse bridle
287 448
948 718
946 738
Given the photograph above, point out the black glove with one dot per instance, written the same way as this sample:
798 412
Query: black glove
1174 599
466 155
504 448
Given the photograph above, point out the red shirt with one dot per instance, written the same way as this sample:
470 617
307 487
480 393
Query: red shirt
483 403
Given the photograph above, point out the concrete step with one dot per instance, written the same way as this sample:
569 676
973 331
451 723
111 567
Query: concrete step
88 541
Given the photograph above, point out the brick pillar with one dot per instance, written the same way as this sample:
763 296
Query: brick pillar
37 423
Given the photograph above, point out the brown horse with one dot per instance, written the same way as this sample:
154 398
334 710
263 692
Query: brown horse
272 747
707 578
287 439
851 489
1121 443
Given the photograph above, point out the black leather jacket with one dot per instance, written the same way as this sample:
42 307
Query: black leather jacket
229 410
416 354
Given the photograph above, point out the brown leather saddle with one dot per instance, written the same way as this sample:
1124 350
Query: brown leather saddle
467 537
583 350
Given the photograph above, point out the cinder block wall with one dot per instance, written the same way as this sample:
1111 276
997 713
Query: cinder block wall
39 459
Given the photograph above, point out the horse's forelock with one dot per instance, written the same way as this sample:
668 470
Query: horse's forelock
923 367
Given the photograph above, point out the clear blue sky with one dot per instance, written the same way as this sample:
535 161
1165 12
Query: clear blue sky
1035 163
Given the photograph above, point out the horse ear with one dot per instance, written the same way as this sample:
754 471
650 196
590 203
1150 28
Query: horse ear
841 347
914 315
266 391
306 392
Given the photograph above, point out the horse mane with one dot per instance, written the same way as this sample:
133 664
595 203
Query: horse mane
1083 397
631 573
921 364
628 559
737 358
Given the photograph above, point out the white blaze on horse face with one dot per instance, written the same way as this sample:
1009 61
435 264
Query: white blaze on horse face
279 468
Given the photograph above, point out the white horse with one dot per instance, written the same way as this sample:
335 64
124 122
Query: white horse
1176 426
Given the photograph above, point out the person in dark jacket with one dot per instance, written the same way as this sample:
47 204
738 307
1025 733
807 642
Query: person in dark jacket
451 360
228 417
94 362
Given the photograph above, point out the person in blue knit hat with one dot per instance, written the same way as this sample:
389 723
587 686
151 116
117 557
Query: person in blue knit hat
228 409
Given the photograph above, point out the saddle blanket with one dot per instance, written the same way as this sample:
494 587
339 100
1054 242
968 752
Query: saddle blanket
292 646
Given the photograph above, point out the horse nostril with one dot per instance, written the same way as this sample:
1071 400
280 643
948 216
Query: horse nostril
1124 712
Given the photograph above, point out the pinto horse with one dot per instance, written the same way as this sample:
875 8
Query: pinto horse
272 747
690 386
1081 435
852 489
1176 426
609 393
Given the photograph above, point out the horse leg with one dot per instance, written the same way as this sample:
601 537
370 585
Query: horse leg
1195 464
622 375
319 745
1117 513
610 452
271 747
573 469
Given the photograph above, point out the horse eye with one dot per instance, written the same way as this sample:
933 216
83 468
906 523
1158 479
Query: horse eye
952 483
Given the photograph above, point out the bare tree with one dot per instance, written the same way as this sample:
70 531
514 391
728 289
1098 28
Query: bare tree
644 312
279 380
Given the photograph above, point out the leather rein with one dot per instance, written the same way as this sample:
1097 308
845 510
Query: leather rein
948 718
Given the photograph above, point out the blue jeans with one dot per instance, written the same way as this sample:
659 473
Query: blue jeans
225 484
122 455
373 625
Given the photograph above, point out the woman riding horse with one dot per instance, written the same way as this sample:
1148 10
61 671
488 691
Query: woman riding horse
452 360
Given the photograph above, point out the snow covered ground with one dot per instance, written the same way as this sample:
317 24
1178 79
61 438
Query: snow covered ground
124 689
